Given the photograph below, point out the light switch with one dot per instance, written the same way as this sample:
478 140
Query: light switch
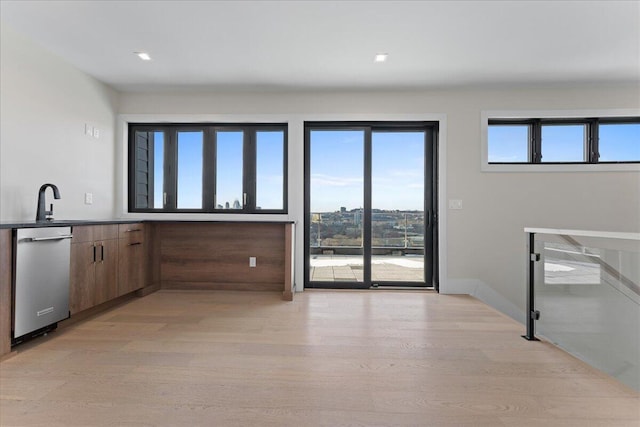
455 204
96 133
88 129
88 198
252 261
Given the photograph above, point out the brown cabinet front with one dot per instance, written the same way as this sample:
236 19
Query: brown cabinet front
6 247
131 258
94 266
107 271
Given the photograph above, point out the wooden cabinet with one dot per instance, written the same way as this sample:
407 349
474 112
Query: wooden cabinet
107 272
215 256
131 257
6 249
94 266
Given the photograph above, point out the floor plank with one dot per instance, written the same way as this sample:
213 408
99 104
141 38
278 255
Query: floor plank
329 358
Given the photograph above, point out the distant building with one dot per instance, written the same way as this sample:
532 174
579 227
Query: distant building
343 209
236 204
357 217
226 205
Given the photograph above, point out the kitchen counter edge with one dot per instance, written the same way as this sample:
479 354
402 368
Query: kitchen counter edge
71 223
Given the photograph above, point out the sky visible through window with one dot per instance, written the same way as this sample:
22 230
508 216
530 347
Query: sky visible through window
337 170
337 163
618 142
229 169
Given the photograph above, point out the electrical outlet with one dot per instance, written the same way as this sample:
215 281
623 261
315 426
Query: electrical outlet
252 261
88 198
96 133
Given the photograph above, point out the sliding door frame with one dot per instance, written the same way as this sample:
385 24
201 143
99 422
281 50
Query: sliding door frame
430 128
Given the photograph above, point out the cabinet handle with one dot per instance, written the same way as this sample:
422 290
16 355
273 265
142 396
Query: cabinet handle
132 230
94 252
101 252
134 244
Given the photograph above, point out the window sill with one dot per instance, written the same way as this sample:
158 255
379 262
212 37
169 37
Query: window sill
565 167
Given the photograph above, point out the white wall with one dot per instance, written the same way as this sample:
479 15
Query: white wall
45 104
485 240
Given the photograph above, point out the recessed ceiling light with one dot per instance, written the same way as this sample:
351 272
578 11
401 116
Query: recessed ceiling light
143 55
381 57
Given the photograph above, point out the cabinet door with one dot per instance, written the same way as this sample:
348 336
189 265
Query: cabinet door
106 271
130 266
82 278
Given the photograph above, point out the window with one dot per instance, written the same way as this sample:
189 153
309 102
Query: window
229 169
370 199
208 168
509 143
564 141
619 142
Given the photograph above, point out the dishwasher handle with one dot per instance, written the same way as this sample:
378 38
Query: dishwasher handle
42 239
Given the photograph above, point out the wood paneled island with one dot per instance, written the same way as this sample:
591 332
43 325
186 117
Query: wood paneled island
215 256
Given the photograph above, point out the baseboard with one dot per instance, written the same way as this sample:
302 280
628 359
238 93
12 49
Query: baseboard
143 292
215 286
480 290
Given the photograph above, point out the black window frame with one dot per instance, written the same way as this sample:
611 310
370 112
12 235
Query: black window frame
249 175
591 140
431 197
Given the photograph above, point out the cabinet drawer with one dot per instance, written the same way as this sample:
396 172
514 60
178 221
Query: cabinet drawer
105 232
91 233
82 233
132 233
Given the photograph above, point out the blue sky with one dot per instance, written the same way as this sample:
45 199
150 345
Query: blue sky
337 163
564 143
337 170
619 142
229 162
190 170
269 169
229 168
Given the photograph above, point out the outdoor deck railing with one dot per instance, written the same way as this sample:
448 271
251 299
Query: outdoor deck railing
583 295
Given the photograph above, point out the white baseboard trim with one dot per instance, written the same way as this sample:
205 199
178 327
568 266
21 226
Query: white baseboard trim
480 290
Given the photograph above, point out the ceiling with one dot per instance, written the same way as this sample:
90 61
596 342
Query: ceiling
310 45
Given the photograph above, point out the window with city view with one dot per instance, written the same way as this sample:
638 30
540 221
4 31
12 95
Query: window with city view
366 204
207 168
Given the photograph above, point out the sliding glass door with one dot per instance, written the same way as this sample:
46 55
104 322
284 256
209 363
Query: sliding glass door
369 204
337 198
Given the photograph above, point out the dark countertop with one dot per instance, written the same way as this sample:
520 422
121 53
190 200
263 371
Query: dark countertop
70 222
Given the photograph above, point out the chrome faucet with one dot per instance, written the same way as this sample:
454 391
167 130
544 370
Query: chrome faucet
42 214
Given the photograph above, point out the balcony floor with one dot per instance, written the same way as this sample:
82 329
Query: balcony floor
348 268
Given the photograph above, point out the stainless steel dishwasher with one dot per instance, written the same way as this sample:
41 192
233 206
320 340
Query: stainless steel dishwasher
41 286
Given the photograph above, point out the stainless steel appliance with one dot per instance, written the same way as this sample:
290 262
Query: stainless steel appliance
41 286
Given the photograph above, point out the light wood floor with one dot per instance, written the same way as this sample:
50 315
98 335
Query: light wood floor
375 358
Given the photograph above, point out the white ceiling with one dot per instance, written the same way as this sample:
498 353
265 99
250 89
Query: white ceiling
294 45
